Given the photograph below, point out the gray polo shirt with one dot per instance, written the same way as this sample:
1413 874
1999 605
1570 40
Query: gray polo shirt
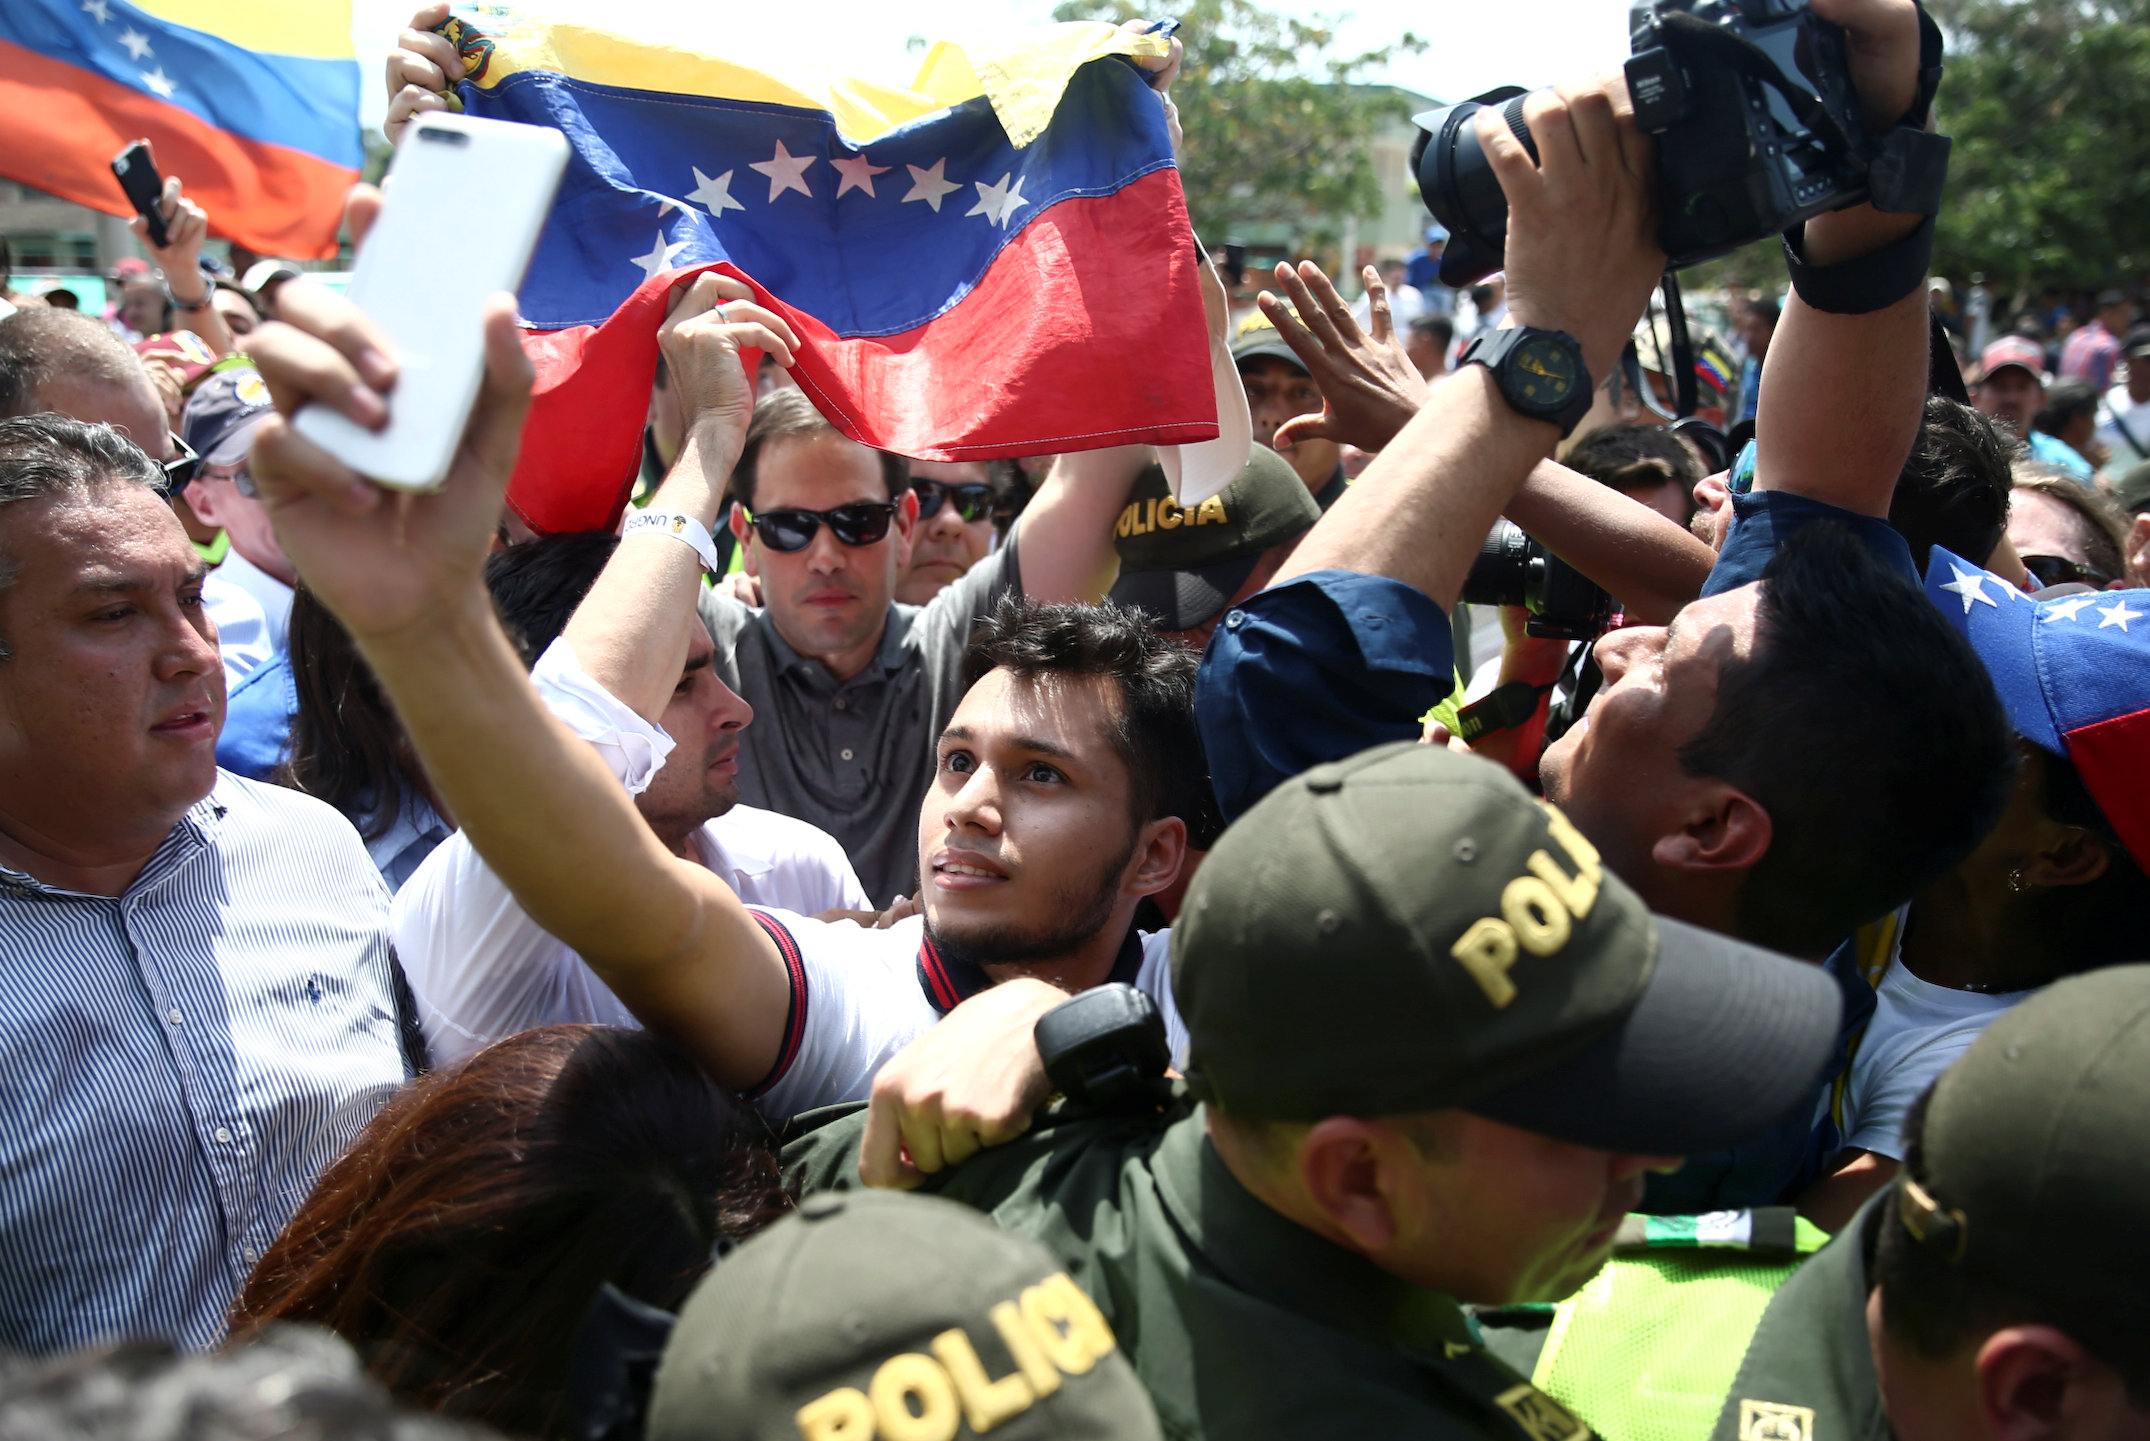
855 759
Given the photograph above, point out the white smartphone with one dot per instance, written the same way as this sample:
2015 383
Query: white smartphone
460 216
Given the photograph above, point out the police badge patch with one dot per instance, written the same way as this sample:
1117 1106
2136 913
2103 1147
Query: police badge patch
1770 1421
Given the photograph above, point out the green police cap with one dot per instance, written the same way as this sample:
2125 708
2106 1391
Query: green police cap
2030 1169
871 1314
1183 563
1409 930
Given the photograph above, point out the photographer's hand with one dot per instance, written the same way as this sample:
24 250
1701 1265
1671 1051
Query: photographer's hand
1369 387
1881 39
423 71
1582 248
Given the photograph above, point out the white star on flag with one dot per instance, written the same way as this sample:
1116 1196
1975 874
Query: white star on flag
713 194
158 81
998 203
858 173
931 185
2067 609
2118 614
659 259
1971 585
98 8
136 43
785 170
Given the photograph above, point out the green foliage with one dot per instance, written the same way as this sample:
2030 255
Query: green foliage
2049 104
1276 124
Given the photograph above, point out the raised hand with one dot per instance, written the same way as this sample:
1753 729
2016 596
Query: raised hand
1582 250
423 71
384 563
1369 387
710 325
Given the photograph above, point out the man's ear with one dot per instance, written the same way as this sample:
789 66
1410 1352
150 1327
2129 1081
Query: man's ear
201 497
2074 858
906 527
1160 851
1343 1164
2037 1383
744 534
1725 830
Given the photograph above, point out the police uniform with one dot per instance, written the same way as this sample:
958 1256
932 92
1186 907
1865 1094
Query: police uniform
2022 1174
1398 933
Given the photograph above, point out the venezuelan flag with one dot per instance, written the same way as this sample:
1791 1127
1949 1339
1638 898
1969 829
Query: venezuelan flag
995 261
253 103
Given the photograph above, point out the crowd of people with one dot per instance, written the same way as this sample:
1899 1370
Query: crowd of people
1005 946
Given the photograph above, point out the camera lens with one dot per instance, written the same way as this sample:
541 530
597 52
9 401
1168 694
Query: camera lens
1458 184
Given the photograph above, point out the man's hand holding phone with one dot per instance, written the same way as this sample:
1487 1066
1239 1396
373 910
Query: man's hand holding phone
383 563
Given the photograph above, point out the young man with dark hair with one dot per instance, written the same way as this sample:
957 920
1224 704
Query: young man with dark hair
1987 1292
1953 491
1036 836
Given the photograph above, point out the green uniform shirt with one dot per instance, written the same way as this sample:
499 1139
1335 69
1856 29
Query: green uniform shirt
1809 1371
1241 1323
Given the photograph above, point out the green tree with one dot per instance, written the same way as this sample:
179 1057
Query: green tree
1276 122
2046 101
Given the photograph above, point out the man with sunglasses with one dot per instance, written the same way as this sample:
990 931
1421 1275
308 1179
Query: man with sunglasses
957 502
851 685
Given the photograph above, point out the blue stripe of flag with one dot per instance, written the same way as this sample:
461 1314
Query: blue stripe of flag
300 103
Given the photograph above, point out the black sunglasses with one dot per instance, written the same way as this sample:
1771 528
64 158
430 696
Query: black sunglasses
865 523
182 467
2057 570
973 500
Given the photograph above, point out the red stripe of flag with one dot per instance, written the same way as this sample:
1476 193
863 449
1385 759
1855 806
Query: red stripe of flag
66 124
2113 757
1125 331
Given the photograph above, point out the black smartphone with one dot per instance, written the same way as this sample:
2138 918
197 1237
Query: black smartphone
1235 263
145 187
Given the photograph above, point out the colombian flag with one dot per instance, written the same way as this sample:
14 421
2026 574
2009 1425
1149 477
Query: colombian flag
994 262
253 103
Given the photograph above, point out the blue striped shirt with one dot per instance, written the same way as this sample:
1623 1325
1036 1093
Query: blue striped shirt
177 1063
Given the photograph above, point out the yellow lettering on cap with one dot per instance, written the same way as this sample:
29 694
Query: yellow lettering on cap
843 1415
1149 515
1578 895
1583 854
1068 1324
1487 950
1541 922
910 1376
1210 510
1169 515
1128 517
986 1402
1022 1343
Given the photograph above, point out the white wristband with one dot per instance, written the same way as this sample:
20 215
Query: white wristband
682 527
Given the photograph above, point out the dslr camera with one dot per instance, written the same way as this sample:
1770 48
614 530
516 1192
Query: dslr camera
1513 569
1757 129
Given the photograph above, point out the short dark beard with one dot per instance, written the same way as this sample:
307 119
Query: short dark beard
1081 909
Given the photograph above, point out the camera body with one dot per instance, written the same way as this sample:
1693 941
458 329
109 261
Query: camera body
1757 128
1513 569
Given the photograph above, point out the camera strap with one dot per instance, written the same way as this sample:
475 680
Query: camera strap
1503 708
1684 393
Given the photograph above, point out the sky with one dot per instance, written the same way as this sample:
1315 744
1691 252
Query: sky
1473 45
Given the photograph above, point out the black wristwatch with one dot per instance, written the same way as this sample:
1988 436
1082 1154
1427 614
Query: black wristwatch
1106 1048
1540 372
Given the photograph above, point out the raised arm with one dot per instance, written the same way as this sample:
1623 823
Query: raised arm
403 573
630 633
186 226
1842 395
1582 256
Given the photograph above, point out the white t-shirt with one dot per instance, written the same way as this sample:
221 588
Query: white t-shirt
858 998
2130 447
481 969
1918 1029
